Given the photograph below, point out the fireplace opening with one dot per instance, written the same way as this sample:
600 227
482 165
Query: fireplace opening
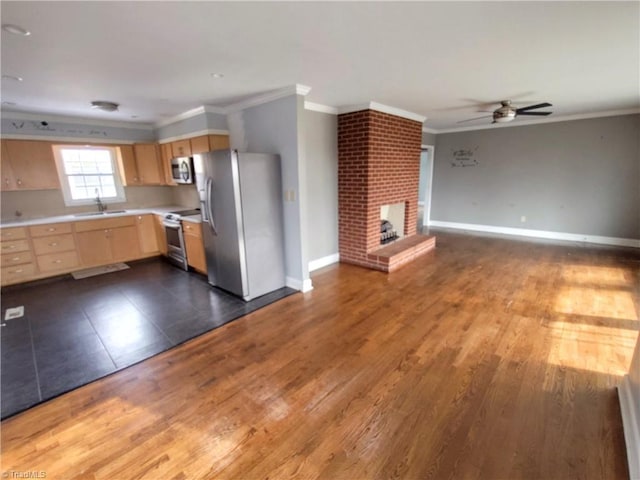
391 222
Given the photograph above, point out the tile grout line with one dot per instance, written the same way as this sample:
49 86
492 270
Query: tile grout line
35 361
171 342
99 338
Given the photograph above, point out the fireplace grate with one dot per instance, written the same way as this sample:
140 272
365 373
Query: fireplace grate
387 232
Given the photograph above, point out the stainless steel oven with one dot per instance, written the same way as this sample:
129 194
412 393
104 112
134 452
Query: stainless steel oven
176 251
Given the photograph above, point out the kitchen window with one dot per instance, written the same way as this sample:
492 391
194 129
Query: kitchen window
88 172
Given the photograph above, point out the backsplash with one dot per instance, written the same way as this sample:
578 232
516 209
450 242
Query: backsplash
49 203
186 195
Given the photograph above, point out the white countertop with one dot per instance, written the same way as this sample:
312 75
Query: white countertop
25 222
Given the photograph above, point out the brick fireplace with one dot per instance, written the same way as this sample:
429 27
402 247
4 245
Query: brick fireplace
378 165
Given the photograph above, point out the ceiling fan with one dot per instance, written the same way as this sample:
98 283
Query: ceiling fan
507 112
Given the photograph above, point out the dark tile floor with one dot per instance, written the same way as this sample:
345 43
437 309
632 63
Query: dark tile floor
76 331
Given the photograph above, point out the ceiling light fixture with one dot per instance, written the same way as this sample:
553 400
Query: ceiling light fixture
217 75
105 105
15 30
12 77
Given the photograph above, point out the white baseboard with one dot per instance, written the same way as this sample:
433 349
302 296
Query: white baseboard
300 285
631 426
524 232
323 262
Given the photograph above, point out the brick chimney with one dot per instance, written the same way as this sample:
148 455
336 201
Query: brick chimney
378 164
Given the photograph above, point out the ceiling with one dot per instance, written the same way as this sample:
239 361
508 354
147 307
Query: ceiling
445 61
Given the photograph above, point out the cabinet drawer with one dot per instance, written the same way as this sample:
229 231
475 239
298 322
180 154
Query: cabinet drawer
19 258
49 229
17 273
104 224
190 228
54 243
57 261
14 246
13 233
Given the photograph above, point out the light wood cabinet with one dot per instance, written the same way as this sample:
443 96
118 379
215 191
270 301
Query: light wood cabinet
109 240
160 234
140 164
30 165
148 163
17 259
166 154
147 233
181 148
54 247
8 179
209 143
194 246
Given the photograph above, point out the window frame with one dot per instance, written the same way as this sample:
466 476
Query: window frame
64 177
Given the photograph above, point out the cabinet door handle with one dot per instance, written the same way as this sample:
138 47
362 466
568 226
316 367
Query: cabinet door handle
19 182
57 261
10 247
15 259
18 271
53 244
52 229
8 234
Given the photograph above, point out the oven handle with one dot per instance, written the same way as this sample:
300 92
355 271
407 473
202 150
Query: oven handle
209 192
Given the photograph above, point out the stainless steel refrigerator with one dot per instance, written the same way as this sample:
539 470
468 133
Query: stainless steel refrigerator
242 224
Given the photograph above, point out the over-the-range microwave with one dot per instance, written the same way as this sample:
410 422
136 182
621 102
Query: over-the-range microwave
182 170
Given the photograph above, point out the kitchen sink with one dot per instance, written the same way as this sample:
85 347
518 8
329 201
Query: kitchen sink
93 214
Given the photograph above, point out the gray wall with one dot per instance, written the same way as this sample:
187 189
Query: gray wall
320 131
198 123
274 128
428 138
578 176
82 129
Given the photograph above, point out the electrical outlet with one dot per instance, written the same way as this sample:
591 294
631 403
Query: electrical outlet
523 219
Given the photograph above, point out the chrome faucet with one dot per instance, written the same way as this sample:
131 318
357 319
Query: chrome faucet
101 206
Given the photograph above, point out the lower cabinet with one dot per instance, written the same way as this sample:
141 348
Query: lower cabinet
107 240
55 247
194 246
147 235
161 236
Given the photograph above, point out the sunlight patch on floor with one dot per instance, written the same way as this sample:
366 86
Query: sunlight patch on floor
595 302
588 274
594 348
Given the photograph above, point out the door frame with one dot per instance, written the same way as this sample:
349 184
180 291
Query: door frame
426 216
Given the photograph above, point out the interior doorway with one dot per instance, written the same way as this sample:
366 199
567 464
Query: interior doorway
425 187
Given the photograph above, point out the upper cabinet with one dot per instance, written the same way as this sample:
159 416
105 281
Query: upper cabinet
140 164
28 165
181 148
208 143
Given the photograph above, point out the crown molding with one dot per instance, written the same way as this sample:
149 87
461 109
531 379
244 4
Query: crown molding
379 107
559 118
268 97
97 122
316 107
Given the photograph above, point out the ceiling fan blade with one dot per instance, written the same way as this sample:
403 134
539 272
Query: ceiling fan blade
531 107
477 118
542 114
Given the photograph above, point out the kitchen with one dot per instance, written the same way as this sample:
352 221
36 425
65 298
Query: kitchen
74 331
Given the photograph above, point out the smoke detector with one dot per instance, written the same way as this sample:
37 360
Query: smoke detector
105 106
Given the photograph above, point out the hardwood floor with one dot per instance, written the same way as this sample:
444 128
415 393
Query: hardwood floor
487 358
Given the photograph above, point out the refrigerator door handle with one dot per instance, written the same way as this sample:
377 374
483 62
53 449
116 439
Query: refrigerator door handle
209 192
